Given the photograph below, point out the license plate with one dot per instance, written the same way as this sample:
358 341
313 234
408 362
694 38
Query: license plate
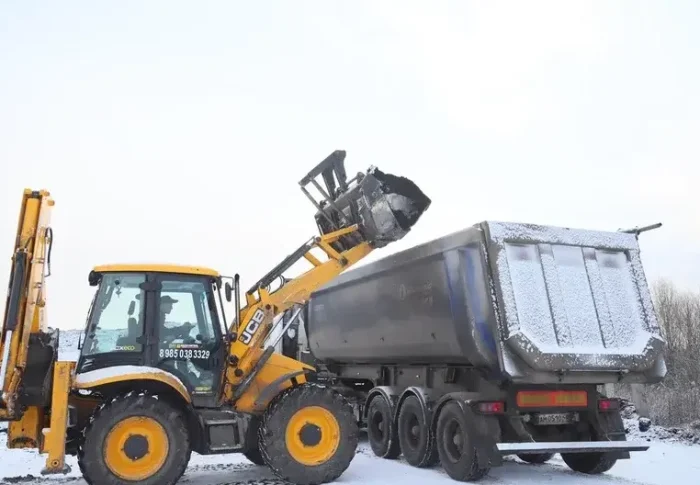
554 419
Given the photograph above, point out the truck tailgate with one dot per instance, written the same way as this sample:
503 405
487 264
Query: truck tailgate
572 300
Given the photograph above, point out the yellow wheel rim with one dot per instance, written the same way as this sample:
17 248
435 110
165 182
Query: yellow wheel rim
136 448
312 435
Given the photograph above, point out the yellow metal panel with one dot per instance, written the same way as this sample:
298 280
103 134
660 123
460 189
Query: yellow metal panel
158 268
162 376
55 436
26 433
277 366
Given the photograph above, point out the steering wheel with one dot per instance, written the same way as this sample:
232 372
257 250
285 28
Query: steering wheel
181 332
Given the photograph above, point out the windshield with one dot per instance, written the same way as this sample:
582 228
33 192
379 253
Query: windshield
116 320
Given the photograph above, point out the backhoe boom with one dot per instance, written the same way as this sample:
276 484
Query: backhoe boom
23 323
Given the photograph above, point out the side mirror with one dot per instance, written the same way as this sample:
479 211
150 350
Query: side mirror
94 278
228 291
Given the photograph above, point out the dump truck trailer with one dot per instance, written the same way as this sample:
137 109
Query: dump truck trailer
491 341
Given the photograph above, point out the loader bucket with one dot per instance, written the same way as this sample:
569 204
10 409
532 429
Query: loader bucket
391 206
385 207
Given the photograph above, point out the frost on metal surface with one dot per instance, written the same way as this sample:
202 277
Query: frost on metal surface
86 378
574 299
506 231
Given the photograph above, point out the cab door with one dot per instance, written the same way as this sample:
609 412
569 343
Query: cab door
187 334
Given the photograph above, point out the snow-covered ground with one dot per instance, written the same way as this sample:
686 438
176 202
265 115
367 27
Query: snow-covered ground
662 464
672 459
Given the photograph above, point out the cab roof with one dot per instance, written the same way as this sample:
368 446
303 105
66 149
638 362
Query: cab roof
155 268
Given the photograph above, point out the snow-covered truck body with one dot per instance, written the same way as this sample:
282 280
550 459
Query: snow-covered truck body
537 304
489 341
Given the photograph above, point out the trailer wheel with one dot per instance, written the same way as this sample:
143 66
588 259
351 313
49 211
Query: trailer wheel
135 438
536 459
417 443
308 435
455 447
589 463
381 429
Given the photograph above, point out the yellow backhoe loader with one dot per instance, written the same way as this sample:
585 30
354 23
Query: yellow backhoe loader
161 374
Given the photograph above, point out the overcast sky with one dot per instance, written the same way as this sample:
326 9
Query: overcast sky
177 131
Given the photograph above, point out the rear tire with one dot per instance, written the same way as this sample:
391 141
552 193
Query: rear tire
135 438
417 442
309 435
589 463
455 447
381 429
538 459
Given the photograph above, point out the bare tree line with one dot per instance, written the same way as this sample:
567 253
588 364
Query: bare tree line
676 400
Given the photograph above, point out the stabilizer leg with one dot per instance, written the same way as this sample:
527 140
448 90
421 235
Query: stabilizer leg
55 436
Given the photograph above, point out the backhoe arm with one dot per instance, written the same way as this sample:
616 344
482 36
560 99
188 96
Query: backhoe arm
354 218
23 322
35 385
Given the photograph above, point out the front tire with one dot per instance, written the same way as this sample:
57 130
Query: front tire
309 435
135 439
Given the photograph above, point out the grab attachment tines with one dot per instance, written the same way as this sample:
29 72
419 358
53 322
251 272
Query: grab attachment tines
383 206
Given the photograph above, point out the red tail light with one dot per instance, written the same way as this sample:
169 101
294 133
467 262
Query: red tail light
608 404
495 407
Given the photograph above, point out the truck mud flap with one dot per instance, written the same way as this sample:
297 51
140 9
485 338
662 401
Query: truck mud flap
569 447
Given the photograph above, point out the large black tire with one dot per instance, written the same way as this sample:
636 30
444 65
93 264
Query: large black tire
537 459
589 463
252 450
381 429
455 447
309 419
415 437
254 456
151 424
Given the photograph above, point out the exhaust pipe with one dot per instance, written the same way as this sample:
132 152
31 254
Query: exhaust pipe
384 206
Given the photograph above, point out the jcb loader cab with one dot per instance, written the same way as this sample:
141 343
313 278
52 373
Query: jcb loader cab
154 360
157 317
162 372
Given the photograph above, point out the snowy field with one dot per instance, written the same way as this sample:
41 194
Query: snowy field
672 459
662 464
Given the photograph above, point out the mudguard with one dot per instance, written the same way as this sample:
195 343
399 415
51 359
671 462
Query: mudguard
390 393
122 373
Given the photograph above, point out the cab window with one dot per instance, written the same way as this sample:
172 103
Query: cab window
187 342
116 322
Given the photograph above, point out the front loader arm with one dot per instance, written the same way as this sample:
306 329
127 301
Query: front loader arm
258 315
354 218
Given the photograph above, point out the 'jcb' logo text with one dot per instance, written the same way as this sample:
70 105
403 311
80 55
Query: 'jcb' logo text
252 327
